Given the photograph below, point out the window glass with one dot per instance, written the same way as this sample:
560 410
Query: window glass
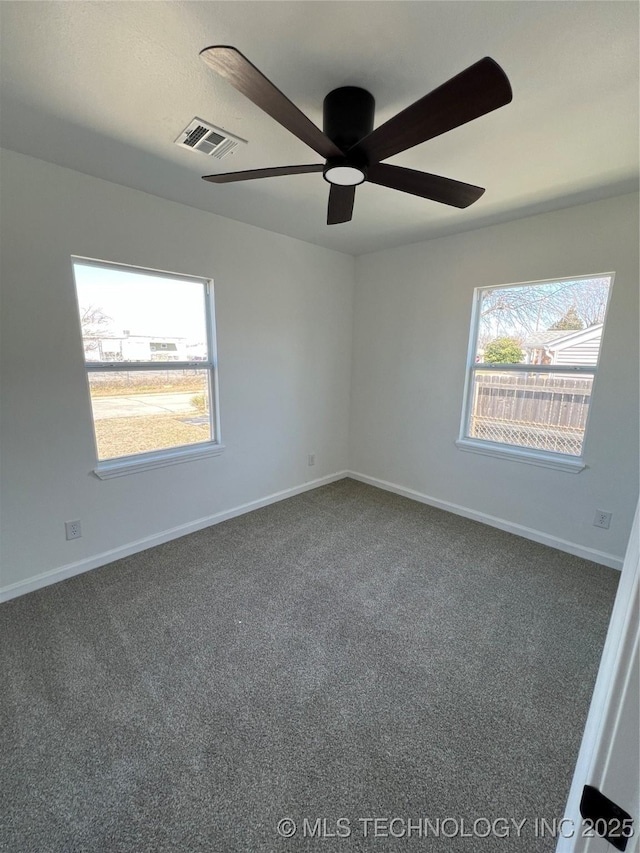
539 410
129 315
139 411
554 328
149 357
532 323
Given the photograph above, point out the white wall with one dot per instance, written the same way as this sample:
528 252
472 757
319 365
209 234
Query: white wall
411 323
287 338
284 319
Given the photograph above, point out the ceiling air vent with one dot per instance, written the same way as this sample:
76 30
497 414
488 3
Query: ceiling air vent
199 135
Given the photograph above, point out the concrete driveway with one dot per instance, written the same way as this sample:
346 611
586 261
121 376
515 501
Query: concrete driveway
143 405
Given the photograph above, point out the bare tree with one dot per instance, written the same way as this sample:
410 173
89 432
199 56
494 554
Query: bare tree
525 309
94 323
593 301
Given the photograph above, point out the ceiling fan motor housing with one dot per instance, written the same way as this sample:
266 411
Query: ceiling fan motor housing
347 115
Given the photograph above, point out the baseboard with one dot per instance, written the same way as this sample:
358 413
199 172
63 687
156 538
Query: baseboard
601 557
63 572
55 575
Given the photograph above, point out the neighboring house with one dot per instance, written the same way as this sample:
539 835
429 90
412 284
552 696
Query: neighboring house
580 346
128 347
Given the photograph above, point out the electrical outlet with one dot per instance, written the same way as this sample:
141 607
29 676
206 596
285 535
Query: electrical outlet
72 529
311 459
602 519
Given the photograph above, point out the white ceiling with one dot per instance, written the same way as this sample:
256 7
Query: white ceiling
105 88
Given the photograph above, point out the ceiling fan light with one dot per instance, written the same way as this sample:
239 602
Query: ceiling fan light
344 176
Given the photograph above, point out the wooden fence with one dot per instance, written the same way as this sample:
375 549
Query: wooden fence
547 411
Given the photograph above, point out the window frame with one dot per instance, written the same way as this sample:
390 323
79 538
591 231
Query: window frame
545 458
118 466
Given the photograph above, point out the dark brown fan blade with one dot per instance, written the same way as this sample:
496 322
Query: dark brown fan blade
478 90
340 204
433 187
249 175
245 77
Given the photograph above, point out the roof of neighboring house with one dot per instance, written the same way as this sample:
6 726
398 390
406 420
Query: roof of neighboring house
564 338
539 339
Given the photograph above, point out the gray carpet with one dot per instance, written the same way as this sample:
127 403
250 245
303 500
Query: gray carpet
346 653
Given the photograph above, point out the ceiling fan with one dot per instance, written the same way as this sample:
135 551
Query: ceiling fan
351 148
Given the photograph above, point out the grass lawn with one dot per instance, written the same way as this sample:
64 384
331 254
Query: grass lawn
124 436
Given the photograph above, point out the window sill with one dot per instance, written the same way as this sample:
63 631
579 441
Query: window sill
158 459
559 461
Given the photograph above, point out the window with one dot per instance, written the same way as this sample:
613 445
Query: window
149 350
533 358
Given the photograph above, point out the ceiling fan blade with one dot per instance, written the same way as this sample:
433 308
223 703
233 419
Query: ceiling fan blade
340 204
478 90
250 174
245 77
433 187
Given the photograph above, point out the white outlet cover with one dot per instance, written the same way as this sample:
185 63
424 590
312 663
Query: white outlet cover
72 529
